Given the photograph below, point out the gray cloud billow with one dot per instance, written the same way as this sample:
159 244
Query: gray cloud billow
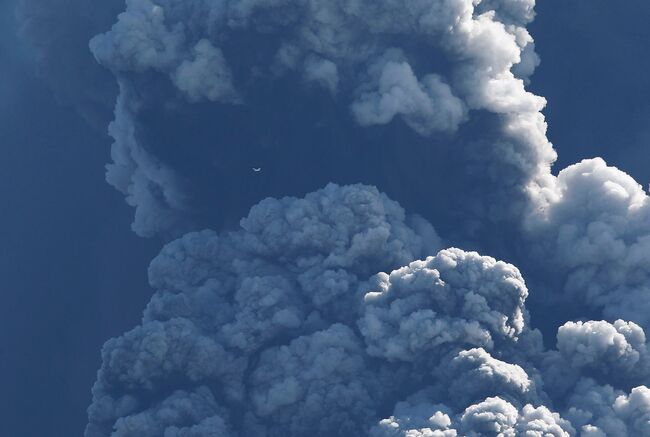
332 311
591 229
280 328
330 88
264 318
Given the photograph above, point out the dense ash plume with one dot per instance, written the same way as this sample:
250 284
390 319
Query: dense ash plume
422 99
333 312
591 231
280 328
58 32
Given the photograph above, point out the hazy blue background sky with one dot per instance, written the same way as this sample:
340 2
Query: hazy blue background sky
593 74
74 274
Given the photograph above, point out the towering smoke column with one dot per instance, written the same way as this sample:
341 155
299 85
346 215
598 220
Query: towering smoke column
332 312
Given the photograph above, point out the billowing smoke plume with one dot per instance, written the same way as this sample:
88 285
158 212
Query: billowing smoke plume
333 312
590 235
280 328
422 99
263 319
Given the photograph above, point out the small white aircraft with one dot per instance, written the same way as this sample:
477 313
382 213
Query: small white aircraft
257 169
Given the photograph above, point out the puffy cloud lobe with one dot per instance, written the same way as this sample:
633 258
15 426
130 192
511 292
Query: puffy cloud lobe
493 416
206 75
614 354
593 228
317 383
315 249
416 420
602 410
474 374
162 349
617 350
455 297
426 106
634 409
141 39
137 366
352 226
540 421
151 187
592 431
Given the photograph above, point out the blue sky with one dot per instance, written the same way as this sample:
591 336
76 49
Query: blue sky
593 75
64 229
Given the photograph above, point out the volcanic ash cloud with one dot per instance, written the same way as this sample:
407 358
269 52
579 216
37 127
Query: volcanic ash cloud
335 312
281 328
335 87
